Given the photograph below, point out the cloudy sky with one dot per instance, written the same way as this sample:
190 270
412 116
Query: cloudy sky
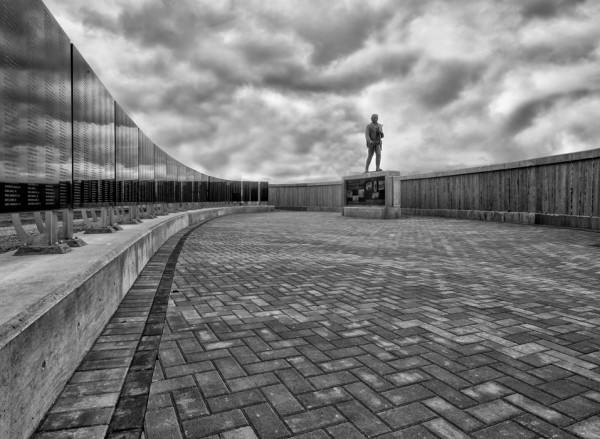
283 89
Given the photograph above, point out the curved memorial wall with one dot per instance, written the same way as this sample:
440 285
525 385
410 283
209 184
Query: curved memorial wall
35 109
66 143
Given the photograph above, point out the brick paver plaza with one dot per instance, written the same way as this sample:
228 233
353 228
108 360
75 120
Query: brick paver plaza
295 324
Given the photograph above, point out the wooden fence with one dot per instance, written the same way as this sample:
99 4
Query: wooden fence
561 190
323 197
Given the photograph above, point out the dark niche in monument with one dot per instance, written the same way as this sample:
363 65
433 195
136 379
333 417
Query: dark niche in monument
35 109
365 191
93 137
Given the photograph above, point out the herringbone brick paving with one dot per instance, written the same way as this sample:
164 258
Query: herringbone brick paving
316 325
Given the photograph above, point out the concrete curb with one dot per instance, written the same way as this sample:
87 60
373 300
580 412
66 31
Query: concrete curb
65 302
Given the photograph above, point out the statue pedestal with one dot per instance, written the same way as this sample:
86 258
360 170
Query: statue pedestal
372 195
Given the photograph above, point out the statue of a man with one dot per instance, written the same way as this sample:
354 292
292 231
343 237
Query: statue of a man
373 135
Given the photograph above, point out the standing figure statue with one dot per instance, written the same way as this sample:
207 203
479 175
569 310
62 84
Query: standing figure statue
373 135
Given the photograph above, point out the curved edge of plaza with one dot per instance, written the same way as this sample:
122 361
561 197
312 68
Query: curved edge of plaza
53 307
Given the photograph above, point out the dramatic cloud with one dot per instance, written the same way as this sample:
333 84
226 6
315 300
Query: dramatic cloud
283 90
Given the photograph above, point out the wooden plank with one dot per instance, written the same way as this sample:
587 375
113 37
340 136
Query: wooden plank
312 196
501 194
485 192
403 192
431 186
588 170
439 191
516 187
455 192
419 193
439 195
576 176
468 190
533 203
553 193
505 190
473 191
542 187
563 188
511 187
449 195
550 188
437 201
523 186
596 187
492 189
479 197
459 182
465 192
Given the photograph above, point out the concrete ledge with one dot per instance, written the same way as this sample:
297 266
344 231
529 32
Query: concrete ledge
292 208
53 307
324 209
310 208
372 212
570 221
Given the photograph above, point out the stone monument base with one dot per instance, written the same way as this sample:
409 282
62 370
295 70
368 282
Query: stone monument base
372 195
372 212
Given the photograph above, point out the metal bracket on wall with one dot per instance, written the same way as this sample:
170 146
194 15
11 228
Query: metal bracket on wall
126 215
160 209
146 211
105 223
50 238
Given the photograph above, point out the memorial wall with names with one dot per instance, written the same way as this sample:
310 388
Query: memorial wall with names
160 175
64 141
35 109
126 150
146 168
93 137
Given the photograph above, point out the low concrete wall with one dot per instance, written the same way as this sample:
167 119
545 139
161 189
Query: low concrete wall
45 337
372 212
570 221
